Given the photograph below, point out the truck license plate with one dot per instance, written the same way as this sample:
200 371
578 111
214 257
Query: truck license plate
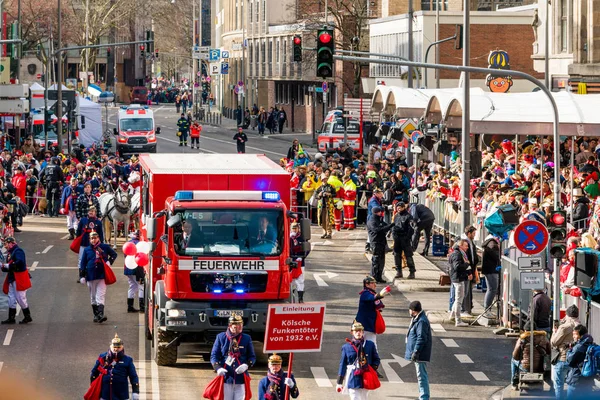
228 313
137 146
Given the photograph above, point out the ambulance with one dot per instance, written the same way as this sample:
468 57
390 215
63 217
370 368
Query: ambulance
331 135
136 131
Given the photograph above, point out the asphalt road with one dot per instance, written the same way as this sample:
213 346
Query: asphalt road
56 352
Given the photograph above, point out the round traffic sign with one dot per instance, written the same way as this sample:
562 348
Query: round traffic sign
531 237
415 135
324 86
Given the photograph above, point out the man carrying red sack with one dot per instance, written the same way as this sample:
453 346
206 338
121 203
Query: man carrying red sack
231 356
272 387
17 282
115 367
359 361
91 272
369 305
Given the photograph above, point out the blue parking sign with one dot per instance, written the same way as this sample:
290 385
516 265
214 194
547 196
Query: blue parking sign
224 68
214 54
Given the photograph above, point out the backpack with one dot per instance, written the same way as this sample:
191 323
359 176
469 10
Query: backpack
591 364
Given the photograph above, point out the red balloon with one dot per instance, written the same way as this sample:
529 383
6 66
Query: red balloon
129 249
142 259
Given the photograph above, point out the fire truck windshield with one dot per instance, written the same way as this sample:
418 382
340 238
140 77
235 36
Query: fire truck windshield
230 233
136 124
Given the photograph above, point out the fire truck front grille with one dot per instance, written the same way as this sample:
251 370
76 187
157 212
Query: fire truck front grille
203 283
137 140
216 321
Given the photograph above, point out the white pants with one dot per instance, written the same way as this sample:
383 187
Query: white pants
232 391
81 249
358 394
372 336
16 296
134 287
459 295
97 291
299 281
72 220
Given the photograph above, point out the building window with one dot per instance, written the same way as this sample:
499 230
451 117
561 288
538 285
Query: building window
564 25
257 9
250 53
270 51
277 51
236 15
264 10
285 51
250 11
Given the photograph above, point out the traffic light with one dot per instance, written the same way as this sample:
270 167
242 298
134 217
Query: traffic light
142 50
108 52
297 48
458 42
150 39
156 53
325 47
557 229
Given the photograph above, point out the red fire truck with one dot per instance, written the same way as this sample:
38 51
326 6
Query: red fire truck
219 224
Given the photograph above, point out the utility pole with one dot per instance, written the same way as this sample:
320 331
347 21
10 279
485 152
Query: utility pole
243 102
19 47
410 42
547 46
194 75
466 122
437 38
87 51
59 108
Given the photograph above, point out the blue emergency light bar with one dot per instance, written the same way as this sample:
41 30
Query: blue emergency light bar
226 195
271 196
184 195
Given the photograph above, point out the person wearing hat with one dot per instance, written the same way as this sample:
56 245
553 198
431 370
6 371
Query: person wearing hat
111 173
231 356
85 201
53 177
561 340
135 278
418 346
240 140
335 181
68 202
377 230
91 272
86 225
358 353
133 165
116 369
183 127
369 305
16 282
581 210
521 356
403 235
375 201
195 131
349 197
325 208
273 385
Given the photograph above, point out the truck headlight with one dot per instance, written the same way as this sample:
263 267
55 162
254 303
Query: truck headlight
176 313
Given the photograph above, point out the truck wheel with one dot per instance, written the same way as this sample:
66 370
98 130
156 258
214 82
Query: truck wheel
147 311
163 355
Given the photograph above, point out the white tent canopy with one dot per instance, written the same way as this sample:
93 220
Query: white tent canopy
92 112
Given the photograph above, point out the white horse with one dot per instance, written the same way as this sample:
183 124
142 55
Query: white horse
115 208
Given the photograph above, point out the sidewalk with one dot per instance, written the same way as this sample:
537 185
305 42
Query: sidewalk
426 284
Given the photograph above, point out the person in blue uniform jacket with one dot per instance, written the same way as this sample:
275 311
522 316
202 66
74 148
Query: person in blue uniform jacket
369 305
272 387
17 283
116 367
91 272
231 356
418 346
357 354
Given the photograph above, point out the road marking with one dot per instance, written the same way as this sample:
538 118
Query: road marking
47 249
437 328
479 376
321 377
463 358
8 337
392 376
320 280
142 357
449 342
66 236
34 265
38 268
155 386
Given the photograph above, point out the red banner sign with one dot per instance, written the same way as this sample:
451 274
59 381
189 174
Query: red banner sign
294 328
